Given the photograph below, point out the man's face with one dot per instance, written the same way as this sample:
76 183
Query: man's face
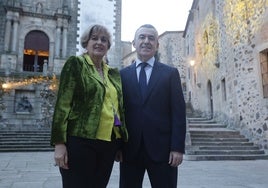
146 43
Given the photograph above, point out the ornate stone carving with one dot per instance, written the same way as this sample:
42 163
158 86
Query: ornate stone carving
24 105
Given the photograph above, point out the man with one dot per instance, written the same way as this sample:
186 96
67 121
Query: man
155 117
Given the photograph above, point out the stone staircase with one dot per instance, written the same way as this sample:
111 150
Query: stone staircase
209 140
23 141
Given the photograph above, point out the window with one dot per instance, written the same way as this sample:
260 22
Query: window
36 51
264 71
223 89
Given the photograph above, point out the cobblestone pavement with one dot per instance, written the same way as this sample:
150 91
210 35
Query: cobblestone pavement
36 170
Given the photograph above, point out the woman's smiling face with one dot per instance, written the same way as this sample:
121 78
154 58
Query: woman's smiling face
98 45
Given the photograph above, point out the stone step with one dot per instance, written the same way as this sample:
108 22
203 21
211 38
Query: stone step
229 147
32 140
26 149
224 157
32 145
197 119
206 125
201 121
24 133
216 136
24 138
197 140
215 133
225 152
19 142
213 130
222 143
210 140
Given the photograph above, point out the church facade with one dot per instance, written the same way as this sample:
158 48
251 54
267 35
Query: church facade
36 38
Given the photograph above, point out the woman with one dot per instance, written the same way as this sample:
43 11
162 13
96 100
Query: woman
88 122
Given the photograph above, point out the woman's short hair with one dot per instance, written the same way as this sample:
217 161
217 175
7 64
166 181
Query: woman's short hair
94 29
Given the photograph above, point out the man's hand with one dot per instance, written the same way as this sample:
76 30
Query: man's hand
175 158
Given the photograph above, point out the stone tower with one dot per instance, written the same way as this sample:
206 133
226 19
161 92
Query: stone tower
107 13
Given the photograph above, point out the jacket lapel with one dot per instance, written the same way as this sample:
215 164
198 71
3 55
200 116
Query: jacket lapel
134 81
90 68
153 79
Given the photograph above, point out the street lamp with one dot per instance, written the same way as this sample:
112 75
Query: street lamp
192 63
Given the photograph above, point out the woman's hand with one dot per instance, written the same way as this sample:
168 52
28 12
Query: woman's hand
119 156
60 156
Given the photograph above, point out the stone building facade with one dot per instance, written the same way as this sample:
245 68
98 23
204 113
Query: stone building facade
36 38
37 32
226 46
171 52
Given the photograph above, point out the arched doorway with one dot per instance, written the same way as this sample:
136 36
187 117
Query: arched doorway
210 99
36 51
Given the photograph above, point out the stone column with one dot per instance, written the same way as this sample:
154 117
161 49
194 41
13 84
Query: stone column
8 66
64 40
45 68
58 38
51 57
7 33
57 42
15 32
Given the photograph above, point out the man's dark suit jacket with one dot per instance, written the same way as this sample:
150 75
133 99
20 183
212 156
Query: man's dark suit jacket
160 118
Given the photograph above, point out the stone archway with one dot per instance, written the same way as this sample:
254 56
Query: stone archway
36 51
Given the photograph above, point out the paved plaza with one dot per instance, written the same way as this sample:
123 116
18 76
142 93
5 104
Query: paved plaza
36 170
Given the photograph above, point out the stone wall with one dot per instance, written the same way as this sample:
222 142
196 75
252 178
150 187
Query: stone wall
29 106
225 83
2 26
171 52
